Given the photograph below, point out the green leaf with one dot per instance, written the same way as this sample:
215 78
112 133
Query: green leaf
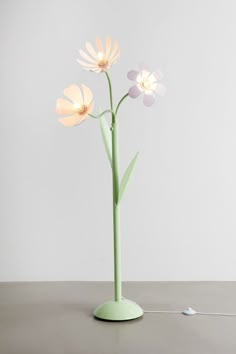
106 136
127 176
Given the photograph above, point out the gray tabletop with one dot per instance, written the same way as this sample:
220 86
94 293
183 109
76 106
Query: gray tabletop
57 317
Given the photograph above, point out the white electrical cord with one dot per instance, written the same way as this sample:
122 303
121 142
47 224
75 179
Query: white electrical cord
189 312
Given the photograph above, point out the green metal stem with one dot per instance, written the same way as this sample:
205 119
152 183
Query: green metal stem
110 90
101 114
121 100
116 209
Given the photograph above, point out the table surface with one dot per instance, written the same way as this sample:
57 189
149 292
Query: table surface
57 317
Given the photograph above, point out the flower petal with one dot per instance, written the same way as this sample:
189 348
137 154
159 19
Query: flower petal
87 57
99 45
108 46
64 106
87 65
134 91
148 99
114 50
132 75
160 89
90 108
88 95
115 57
73 92
72 120
91 50
158 74
95 69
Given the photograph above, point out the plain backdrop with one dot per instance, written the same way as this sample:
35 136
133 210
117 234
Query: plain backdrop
178 215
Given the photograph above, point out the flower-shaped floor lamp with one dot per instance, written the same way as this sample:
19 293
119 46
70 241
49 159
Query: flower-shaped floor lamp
80 108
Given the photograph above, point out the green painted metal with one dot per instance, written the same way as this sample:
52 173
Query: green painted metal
123 310
121 100
127 176
116 208
106 135
118 309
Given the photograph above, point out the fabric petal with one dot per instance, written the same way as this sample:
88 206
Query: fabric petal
114 50
73 92
113 62
87 65
158 74
95 70
160 89
115 54
91 50
148 99
64 106
134 91
132 75
99 45
115 57
87 57
151 77
90 108
71 120
108 46
88 95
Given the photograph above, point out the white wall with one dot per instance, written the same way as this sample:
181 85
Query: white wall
178 216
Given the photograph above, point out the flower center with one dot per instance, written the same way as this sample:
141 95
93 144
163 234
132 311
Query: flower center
146 81
81 109
146 84
102 60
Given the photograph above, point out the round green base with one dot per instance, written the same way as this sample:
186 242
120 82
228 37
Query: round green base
122 310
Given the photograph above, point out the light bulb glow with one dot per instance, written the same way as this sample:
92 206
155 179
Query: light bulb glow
102 60
77 106
80 108
146 81
100 55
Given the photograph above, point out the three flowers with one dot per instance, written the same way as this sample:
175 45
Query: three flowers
79 103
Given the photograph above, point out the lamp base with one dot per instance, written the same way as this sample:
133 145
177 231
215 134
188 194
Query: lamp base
122 310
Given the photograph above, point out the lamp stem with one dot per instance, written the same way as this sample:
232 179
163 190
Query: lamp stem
116 208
